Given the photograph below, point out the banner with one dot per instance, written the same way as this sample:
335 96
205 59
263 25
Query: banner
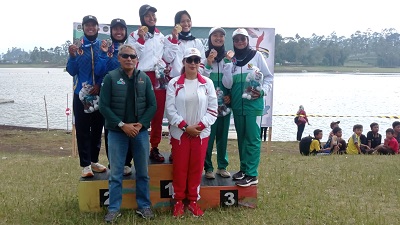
261 39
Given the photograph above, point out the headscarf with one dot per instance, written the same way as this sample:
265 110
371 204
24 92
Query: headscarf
183 35
221 50
301 108
151 28
243 56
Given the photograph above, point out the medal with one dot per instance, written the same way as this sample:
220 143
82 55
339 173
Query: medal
178 28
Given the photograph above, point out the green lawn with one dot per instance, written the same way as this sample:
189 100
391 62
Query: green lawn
40 187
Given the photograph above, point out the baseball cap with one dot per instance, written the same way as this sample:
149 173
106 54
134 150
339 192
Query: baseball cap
145 8
333 123
89 18
215 29
241 31
192 52
118 21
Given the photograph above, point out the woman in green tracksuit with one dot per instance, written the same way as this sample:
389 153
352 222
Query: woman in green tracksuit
247 112
215 64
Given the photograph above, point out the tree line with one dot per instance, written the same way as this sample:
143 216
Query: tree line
368 48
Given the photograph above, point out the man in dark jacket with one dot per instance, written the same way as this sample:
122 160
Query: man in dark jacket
128 104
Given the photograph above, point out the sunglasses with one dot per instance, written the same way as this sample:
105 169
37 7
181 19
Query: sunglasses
190 60
238 39
125 56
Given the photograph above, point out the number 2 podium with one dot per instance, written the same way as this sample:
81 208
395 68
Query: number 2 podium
219 192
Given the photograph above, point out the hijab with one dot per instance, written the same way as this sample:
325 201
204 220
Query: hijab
243 56
151 28
220 50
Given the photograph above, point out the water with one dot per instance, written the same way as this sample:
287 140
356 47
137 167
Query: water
333 95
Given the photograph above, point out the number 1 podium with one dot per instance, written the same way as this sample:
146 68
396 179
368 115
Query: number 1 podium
219 192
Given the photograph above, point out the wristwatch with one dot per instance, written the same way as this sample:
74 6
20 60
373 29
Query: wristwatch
184 128
121 124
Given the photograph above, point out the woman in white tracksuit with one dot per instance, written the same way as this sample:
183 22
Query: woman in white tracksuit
185 40
191 109
150 45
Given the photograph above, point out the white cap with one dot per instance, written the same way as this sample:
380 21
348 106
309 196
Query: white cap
214 29
192 52
241 31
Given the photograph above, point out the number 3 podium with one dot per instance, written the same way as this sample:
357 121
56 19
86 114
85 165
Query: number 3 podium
219 192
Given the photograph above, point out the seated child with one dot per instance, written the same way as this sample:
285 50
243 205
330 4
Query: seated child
338 144
390 145
396 128
333 125
365 149
374 139
354 144
315 146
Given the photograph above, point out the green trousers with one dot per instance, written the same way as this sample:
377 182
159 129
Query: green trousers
219 133
249 143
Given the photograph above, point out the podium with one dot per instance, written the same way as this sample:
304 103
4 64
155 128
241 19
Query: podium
219 192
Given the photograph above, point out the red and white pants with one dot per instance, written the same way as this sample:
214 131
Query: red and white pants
188 154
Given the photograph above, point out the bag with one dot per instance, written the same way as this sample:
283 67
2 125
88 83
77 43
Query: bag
304 145
302 120
328 143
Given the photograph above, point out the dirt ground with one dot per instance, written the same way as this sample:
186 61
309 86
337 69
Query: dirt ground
28 140
16 139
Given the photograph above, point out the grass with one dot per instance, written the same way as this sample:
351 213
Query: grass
40 180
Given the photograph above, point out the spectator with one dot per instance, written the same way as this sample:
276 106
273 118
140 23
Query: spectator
301 120
374 138
354 144
390 145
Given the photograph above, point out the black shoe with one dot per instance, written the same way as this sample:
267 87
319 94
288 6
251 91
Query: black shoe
238 176
155 155
247 181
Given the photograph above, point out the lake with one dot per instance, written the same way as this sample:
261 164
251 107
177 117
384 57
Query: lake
351 98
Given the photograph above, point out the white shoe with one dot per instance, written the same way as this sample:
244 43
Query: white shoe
210 175
98 168
87 172
127 171
223 173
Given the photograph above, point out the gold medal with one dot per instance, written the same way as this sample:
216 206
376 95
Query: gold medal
178 28
145 29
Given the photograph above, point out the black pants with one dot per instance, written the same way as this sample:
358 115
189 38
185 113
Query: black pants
264 132
128 158
89 128
300 129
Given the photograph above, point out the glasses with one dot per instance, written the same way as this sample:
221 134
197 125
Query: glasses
190 60
238 39
125 56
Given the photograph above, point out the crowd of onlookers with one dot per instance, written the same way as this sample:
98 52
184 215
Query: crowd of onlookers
358 143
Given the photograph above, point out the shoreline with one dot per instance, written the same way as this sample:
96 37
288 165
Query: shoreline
277 69
22 128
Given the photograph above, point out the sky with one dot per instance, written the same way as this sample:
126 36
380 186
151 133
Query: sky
44 23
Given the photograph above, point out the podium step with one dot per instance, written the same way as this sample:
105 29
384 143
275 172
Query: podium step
218 192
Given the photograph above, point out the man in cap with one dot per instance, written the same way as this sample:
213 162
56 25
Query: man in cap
83 56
